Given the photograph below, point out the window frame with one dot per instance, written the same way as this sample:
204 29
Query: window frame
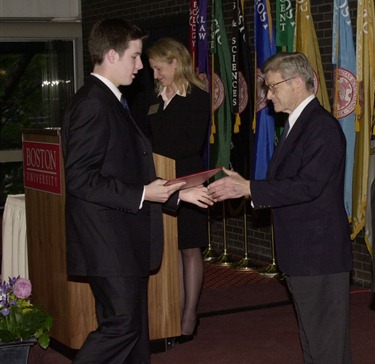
14 31
35 31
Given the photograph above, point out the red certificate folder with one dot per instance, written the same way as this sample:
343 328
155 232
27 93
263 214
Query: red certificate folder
195 179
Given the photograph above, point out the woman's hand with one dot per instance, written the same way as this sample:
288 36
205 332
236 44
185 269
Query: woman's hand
197 195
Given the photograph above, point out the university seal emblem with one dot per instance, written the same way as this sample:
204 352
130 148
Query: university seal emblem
346 93
261 95
244 95
219 91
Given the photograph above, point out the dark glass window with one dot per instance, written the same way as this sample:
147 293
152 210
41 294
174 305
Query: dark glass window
36 85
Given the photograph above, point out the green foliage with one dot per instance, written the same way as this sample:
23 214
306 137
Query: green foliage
20 319
21 97
36 85
11 180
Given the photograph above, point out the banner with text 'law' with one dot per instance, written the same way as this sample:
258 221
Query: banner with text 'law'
202 64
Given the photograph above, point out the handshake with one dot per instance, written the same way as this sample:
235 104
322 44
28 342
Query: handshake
229 187
233 185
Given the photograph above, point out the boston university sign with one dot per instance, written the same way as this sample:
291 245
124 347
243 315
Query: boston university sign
42 166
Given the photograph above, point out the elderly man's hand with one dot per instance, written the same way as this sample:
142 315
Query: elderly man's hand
232 186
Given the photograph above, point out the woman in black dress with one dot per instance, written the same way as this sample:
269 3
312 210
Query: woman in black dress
179 119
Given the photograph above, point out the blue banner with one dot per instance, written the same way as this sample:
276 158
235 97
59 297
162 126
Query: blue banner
265 121
345 94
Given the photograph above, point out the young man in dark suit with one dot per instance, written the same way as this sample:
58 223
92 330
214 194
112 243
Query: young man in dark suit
113 199
304 189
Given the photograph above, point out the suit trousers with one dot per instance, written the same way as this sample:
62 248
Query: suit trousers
322 307
122 311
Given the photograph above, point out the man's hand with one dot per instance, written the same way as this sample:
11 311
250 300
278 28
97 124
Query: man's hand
232 186
157 192
197 195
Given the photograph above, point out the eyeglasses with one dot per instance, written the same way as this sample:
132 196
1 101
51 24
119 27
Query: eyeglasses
271 88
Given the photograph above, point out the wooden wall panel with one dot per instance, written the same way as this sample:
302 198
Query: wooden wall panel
69 299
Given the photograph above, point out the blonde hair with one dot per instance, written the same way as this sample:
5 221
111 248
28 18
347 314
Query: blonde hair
168 49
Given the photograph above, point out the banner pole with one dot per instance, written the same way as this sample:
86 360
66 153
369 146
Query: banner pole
272 271
245 264
209 254
224 258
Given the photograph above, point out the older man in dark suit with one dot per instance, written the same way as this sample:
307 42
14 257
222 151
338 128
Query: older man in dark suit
304 189
114 200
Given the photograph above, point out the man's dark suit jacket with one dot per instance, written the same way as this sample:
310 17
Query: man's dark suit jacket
304 188
108 160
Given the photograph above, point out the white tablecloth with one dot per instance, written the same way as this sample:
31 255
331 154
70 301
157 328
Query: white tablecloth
14 255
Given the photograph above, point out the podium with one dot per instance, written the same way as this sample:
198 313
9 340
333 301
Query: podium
68 299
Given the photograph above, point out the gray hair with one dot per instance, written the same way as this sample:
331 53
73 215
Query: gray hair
291 65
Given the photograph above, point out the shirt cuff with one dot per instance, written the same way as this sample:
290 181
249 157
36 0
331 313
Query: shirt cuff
143 198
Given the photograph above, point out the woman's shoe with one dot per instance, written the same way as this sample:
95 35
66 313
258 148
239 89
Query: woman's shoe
186 338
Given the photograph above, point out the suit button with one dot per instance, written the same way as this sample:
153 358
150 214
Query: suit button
145 154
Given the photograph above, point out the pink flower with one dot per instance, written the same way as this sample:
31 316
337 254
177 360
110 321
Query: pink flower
22 288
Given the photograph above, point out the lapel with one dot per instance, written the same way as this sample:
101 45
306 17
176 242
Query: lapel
293 137
173 106
112 99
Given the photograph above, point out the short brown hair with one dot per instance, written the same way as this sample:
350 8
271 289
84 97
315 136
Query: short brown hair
112 34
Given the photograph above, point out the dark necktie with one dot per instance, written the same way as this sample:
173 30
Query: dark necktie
125 104
284 134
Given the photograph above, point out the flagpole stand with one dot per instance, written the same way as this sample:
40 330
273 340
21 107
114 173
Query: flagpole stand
272 271
209 255
224 259
245 264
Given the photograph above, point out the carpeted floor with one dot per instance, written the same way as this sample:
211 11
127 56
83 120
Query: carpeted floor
218 276
249 319
256 324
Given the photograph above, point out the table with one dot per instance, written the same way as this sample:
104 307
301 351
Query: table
14 240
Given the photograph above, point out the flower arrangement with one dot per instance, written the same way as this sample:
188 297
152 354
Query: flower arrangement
19 318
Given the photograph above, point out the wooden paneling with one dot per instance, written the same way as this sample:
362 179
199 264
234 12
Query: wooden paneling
70 303
164 301
69 299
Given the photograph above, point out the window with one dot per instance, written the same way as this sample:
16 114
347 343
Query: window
36 85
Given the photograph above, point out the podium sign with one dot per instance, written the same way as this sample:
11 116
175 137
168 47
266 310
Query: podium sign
42 166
